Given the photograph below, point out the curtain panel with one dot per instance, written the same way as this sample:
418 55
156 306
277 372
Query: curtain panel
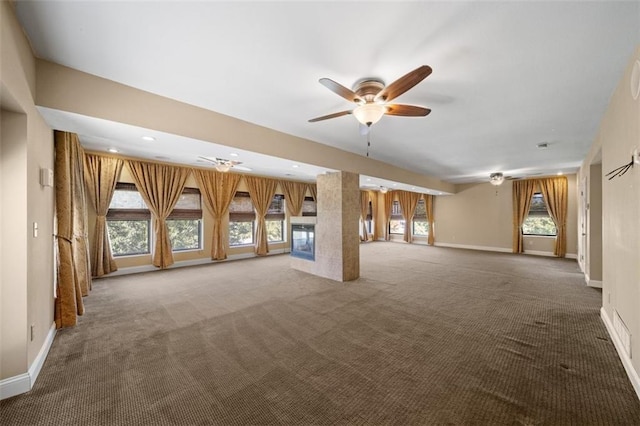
555 192
313 189
408 202
429 201
365 197
522 193
101 175
261 191
373 195
294 195
73 276
160 186
388 206
218 190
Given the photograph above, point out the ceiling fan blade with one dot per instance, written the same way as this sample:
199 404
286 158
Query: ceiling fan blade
339 89
407 110
326 117
243 168
208 159
404 83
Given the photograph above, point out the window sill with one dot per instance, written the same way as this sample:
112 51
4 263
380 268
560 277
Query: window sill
186 250
539 236
126 256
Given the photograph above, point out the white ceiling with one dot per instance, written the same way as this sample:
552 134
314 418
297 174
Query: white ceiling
506 75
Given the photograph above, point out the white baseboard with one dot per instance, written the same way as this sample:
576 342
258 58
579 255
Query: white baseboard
183 263
626 361
24 382
471 247
592 283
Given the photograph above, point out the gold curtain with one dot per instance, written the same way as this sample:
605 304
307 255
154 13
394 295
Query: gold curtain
261 191
101 175
554 190
218 190
313 189
522 192
408 202
160 186
364 210
429 201
374 213
294 195
73 276
388 206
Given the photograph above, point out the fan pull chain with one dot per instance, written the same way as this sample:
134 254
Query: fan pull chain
368 141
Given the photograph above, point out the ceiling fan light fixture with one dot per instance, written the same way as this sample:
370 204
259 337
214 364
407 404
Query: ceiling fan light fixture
496 179
384 189
223 167
370 113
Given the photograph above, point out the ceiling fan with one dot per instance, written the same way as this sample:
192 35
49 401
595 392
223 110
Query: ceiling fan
223 165
371 95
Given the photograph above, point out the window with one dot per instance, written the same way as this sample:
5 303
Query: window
420 223
309 207
396 225
275 220
242 220
241 217
185 221
369 217
538 222
129 222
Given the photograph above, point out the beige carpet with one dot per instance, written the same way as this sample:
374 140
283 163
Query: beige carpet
427 336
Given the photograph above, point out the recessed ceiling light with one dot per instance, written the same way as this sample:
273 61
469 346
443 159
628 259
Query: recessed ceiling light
368 179
162 157
148 138
395 184
295 166
112 150
233 154
559 173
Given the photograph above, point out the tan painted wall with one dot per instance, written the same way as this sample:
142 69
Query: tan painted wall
480 215
31 280
619 134
594 220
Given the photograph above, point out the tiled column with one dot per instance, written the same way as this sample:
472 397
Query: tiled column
337 253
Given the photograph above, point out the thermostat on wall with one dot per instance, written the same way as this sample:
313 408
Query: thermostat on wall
46 177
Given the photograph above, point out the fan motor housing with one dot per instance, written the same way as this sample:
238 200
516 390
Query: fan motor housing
367 89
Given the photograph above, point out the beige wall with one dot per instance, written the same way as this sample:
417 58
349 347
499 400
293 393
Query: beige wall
593 251
480 216
619 134
27 145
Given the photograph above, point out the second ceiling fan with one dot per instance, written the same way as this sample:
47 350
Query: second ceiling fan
371 95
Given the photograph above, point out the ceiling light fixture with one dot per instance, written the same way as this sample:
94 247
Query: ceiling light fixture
369 114
148 138
496 179
384 189
223 167
233 154
295 166
113 150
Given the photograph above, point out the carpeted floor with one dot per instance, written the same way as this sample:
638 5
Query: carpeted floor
427 335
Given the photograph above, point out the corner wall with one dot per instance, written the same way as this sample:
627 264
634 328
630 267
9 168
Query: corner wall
27 285
619 134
